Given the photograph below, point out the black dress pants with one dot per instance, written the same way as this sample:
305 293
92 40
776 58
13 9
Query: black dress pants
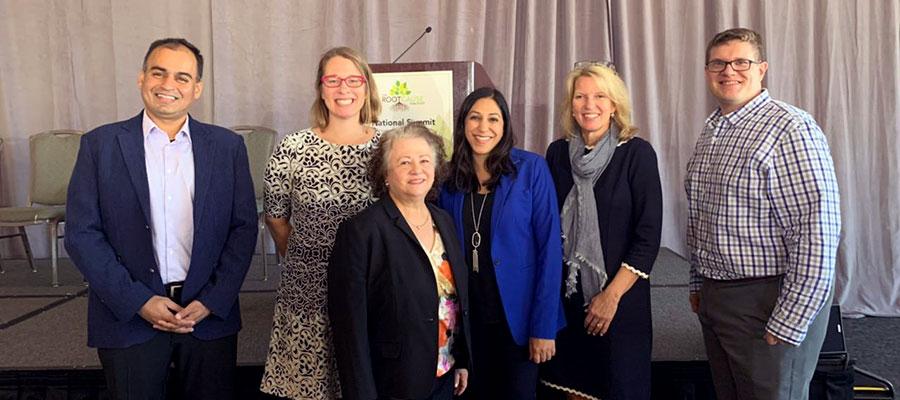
501 368
204 369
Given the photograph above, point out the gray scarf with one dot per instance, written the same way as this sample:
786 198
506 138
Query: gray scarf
582 250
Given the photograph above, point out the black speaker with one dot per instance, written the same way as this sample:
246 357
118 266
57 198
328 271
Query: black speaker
833 377
836 377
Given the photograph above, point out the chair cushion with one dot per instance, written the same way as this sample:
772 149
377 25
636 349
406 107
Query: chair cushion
34 215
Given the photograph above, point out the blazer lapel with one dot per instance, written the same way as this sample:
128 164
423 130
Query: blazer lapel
501 195
457 204
203 149
131 142
394 213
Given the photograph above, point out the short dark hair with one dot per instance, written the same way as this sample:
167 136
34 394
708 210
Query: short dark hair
378 163
741 34
174 44
498 162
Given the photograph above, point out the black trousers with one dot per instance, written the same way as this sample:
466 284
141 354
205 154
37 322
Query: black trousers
442 390
204 369
443 387
501 368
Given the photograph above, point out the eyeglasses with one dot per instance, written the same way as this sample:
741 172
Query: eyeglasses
590 63
738 65
352 81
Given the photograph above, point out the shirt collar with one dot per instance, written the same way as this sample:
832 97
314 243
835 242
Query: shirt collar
738 115
149 127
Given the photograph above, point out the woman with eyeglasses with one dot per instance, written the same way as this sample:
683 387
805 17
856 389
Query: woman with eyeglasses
315 179
608 188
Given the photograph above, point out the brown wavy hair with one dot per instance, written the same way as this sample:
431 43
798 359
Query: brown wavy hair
378 164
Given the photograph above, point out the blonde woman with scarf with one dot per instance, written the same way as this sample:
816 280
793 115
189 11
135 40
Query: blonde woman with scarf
608 187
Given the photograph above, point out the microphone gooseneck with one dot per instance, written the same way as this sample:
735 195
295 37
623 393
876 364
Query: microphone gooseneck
427 30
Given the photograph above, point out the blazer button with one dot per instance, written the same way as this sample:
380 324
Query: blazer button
429 320
152 270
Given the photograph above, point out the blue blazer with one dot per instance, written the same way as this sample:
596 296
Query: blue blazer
108 231
526 246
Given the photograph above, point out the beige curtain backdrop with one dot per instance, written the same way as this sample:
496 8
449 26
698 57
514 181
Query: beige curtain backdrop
74 64
837 59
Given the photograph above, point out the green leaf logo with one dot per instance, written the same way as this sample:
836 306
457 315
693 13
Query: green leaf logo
400 89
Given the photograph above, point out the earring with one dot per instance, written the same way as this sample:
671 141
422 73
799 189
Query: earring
386 183
612 115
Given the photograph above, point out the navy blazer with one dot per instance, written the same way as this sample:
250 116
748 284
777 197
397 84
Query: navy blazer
108 231
383 304
526 246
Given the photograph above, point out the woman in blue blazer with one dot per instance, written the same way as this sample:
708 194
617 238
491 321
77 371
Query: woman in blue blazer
504 205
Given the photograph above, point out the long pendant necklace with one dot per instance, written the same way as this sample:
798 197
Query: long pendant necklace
476 236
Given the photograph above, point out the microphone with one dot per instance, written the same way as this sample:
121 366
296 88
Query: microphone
427 30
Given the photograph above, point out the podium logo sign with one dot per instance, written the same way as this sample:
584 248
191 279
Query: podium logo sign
401 97
421 96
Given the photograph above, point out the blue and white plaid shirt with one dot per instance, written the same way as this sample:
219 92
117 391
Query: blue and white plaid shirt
763 201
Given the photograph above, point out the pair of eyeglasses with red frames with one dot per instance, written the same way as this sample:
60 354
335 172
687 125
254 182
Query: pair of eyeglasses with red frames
352 81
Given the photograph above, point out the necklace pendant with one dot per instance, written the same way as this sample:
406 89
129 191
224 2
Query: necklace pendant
474 260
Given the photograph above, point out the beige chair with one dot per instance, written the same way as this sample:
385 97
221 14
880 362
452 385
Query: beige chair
259 141
53 155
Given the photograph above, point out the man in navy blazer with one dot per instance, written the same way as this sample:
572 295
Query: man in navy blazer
161 220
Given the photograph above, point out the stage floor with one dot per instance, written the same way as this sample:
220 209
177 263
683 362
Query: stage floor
43 328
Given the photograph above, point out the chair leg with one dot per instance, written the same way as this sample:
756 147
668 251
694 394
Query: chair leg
27 244
54 254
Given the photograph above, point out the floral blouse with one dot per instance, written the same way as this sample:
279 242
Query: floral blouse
448 305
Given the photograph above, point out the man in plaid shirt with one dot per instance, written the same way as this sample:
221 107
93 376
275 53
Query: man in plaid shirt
763 229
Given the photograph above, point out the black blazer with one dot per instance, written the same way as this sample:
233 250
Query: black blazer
383 303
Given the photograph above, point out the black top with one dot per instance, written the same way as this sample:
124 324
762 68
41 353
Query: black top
629 213
484 293
629 202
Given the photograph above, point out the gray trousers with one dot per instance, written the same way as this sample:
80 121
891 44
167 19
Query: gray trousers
733 315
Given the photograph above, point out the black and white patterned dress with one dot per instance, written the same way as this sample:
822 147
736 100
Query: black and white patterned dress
317 185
